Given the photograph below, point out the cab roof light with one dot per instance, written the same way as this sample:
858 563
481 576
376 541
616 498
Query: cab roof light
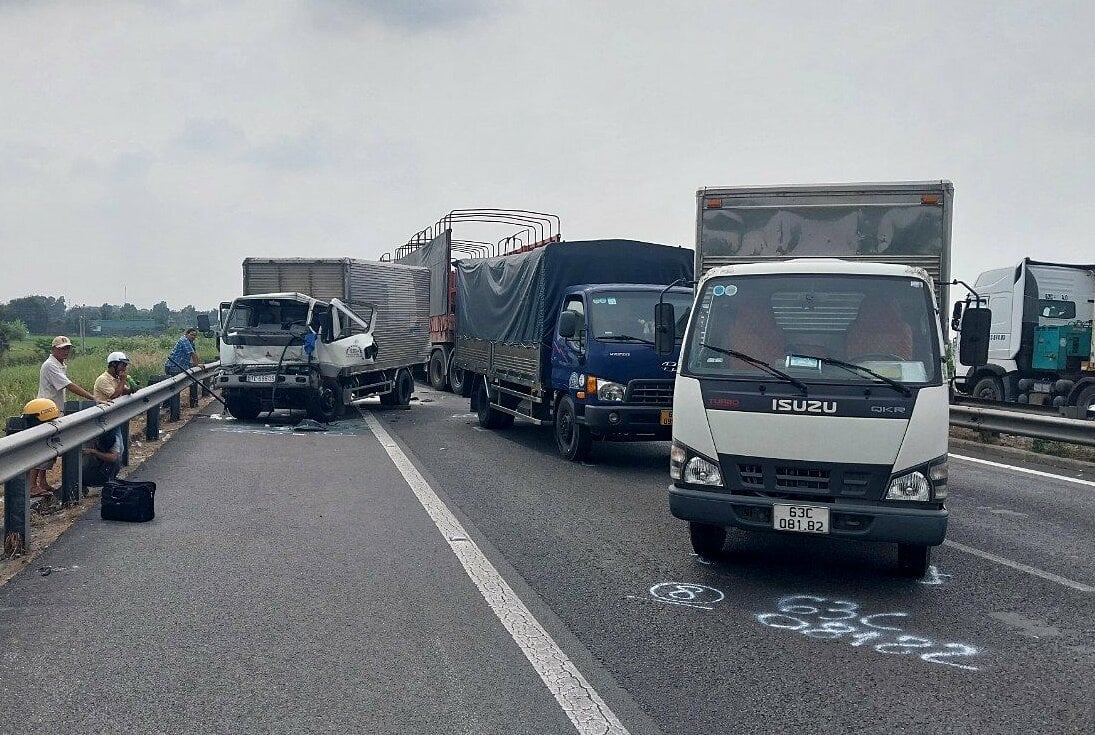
930 199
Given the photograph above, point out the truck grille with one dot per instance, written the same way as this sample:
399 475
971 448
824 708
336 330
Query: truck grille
650 392
783 478
802 479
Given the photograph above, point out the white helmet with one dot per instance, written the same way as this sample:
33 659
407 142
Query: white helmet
114 357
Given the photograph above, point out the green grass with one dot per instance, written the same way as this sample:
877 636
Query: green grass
19 371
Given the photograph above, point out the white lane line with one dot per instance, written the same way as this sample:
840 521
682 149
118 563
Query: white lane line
1024 470
587 711
1079 586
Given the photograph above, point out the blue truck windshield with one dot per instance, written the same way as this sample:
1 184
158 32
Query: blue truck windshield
626 316
816 328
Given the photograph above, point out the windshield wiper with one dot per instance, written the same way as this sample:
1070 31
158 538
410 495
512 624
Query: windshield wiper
762 365
622 338
853 368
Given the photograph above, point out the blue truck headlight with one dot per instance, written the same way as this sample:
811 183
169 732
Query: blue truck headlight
909 486
686 466
608 391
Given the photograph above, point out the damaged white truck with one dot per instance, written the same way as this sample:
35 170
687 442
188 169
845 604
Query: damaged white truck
323 334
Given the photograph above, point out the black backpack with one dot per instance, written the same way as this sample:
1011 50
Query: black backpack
126 500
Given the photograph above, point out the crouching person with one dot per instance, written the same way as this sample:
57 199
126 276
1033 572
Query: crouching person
103 459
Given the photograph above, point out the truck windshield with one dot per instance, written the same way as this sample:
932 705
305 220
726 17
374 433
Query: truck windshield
816 328
628 316
265 321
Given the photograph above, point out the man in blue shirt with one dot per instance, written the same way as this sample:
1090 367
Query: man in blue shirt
184 356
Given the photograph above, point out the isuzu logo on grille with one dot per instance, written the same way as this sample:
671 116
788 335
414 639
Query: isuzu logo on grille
789 405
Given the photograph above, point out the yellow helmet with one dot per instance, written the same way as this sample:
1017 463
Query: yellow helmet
42 409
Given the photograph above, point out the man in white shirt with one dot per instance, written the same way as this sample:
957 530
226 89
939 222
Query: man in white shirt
52 383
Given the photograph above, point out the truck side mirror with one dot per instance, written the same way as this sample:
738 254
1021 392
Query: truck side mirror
665 328
956 315
973 345
568 324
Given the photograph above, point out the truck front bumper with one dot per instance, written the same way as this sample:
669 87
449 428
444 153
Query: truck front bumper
628 420
889 523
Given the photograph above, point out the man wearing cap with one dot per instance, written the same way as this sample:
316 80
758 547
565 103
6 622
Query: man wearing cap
52 383
114 382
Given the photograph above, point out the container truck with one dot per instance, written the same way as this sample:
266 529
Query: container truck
1040 346
561 334
322 334
811 396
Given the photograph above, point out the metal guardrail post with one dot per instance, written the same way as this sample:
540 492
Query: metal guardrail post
16 503
72 462
125 443
174 405
193 395
152 417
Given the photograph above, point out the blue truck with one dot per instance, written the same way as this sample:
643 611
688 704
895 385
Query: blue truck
561 334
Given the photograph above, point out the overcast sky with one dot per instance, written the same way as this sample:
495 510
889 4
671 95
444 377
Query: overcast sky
147 147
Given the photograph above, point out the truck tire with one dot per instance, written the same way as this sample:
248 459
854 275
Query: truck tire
402 389
989 388
437 370
913 559
707 540
1086 403
243 406
572 439
489 418
458 380
325 404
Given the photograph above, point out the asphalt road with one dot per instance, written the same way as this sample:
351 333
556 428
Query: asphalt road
295 583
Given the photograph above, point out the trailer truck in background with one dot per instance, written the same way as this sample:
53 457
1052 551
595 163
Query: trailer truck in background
435 248
322 334
561 334
1040 345
811 395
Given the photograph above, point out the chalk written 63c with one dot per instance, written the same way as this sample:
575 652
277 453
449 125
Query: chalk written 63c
819 617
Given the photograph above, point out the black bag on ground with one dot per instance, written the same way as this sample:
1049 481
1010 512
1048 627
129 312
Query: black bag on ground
126 500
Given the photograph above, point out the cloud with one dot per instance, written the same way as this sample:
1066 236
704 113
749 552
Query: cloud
210 135
419 15
307 151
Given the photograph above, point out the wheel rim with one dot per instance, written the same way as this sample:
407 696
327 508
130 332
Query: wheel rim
566 426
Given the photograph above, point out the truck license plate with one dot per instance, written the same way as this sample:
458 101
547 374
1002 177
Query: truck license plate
666 418
261 378
800 518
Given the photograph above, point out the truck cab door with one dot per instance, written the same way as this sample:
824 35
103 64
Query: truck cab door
351 337
568 352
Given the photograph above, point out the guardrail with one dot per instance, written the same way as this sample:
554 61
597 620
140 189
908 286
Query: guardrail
64 437
1024 422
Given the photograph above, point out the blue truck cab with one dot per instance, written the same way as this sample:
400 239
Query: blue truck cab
563 336
603 360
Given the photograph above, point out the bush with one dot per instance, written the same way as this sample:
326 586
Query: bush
14 331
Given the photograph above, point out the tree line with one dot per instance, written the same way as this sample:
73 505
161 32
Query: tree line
51 315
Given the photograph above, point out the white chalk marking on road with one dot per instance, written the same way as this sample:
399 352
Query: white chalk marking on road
1079 586
580 701
1024 470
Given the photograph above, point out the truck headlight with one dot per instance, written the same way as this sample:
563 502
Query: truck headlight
608 391
693 469
910 486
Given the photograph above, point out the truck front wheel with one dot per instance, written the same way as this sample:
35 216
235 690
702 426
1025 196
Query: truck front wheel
489 418
913 559
439 379
459 380
989 388
707 540
572 439
243 406
325 404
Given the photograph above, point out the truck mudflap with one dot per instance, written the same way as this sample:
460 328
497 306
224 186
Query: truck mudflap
623 419
887 523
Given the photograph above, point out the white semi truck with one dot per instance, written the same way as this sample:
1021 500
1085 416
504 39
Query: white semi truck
1040 345
323 334
811 394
